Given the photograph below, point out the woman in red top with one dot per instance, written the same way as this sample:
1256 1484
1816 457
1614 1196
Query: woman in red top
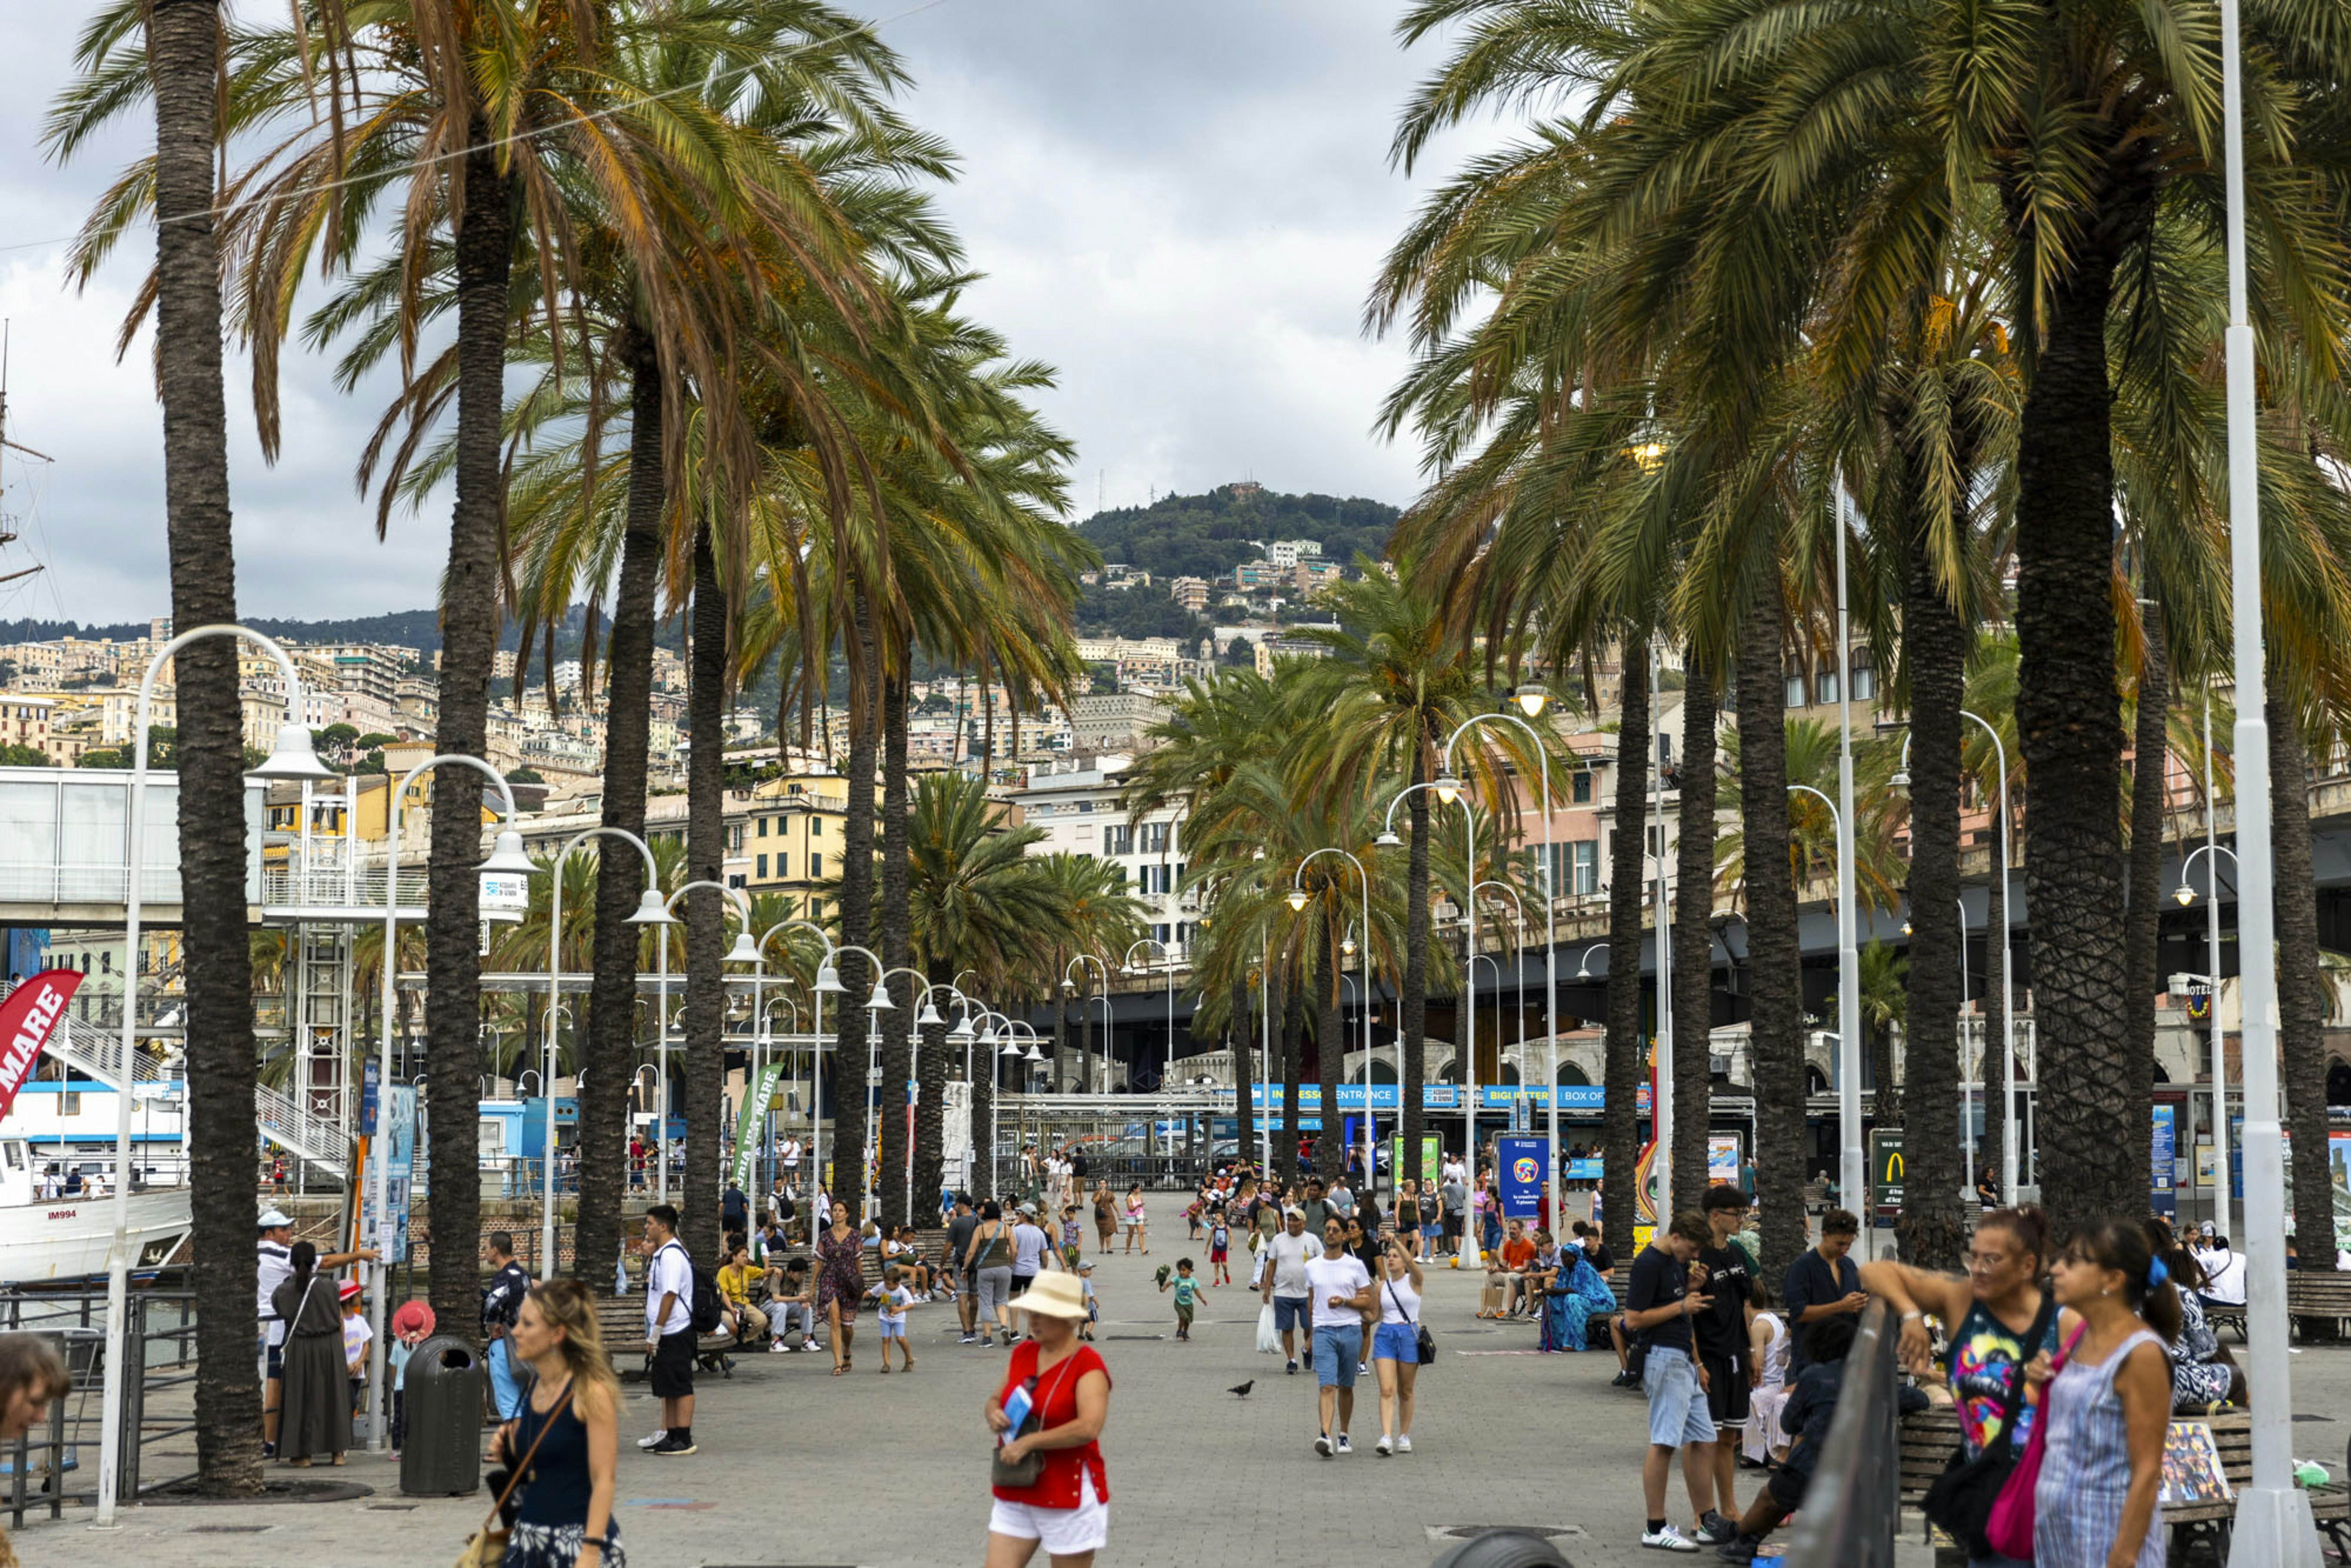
1068 1389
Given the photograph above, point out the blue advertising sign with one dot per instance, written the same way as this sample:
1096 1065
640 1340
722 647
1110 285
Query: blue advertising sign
1583 1170
371 1089
1584 1099
1522 1162
2161 1175
1383 1096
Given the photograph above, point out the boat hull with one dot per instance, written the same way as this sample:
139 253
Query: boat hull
68 1238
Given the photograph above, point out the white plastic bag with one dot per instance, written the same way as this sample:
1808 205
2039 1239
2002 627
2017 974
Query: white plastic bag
1269 1338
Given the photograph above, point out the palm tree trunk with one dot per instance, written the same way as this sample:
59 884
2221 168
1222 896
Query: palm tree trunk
930 1090
857 923
1932 1226
2300 987
1775 982
183 52
2070 722
1329 1058
620 872
898 952
1293 1048
1995 1061
469 630
2143 915
1626 1053
1693 938
705 908
1412 1004
1244 1070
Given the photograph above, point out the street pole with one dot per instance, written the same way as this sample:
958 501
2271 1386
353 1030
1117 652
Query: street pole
2275 1527
1852 1167
1967 1084
2225 1199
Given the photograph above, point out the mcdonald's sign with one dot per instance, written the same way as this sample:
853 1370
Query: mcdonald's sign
1885 1168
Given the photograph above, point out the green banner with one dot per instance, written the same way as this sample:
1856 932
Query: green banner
755 1115
1431 1157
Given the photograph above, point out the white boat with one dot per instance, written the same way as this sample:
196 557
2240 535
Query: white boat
45 1240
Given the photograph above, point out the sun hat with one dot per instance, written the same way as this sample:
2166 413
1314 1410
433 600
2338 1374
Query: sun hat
271 1219
348 1291
412 1317
1054 1295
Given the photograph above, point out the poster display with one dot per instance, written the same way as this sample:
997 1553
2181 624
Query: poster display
1522 1162
2160 1165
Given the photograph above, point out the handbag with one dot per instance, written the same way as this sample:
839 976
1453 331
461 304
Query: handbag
1028 1469
2010 1529
486 1547
1960 1500
1424 1343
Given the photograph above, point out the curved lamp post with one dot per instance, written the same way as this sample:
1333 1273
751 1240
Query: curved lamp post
1168 956
1447 788
649 910
2187 895
293 759
742 953
876 1004
1298 898
1518 962
1069 987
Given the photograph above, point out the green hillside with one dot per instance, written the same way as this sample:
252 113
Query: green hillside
1208 536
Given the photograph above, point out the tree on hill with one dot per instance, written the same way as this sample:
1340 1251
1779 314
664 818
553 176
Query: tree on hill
1137 612
1208 536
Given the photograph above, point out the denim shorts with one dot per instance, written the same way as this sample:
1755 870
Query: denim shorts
1293 1312
1397 1342
1677 1413
1338 1348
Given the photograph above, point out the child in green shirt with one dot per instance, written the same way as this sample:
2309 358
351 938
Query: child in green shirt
1187 1296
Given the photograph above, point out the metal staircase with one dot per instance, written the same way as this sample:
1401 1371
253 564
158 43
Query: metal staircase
97 1053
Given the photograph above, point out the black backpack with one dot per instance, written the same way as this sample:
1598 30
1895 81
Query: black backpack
707 1307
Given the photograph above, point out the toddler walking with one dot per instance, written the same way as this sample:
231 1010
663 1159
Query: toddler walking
893 1296
1219 1240
1187 1296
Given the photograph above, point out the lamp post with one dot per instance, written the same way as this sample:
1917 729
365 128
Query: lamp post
1532 698
1298 902
2274 1528
1852 1172
1518 963
914 1052
742 952
1447 788
649 910
1085 1069
291 758
876 1004
1167 957
1853 1165
2187 895
2008 1155
828 984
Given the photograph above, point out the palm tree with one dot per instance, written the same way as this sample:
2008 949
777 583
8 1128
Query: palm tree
182 46
1884 1003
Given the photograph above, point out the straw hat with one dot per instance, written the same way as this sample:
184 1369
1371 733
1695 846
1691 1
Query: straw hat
1054 1295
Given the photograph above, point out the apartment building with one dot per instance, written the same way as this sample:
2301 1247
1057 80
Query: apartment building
1076 804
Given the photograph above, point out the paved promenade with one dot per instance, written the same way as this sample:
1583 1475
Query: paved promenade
799 1468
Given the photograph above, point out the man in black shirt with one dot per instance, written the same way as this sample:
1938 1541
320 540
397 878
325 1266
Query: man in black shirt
959 1234
1595 1251
501 1301
1660 1305
1820 1283
1722 1338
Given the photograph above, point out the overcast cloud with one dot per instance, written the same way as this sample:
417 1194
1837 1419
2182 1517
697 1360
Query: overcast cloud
1179 206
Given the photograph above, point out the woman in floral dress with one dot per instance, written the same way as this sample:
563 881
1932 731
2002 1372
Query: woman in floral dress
840 1286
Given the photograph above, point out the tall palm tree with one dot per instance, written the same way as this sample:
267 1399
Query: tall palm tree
183 48
1693 933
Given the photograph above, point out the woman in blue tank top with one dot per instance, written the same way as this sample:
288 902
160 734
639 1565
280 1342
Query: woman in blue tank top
565 1435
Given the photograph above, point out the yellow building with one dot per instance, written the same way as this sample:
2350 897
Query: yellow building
792 835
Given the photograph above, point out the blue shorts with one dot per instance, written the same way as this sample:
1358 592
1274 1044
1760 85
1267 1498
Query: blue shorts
1677 1412
1338 1348
1293 1312
892 1331
1397 1342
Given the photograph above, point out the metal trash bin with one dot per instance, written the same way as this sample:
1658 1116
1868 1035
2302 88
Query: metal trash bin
441 1449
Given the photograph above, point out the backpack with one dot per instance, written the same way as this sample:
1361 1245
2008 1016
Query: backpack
706 1308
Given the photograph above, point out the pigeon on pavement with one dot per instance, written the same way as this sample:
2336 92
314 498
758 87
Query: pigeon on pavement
1243 1390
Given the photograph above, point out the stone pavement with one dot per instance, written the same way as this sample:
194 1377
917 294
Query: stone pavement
799 1467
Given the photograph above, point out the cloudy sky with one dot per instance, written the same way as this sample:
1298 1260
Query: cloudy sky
1179 206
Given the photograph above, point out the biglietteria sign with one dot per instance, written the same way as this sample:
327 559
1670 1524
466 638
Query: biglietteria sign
31 1011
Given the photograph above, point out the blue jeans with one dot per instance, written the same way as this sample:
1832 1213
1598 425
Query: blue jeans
1338 1347
505 1387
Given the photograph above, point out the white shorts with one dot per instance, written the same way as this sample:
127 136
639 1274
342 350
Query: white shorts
1063 1532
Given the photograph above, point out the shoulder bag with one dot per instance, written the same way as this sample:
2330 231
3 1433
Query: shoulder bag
486 1547
2010 1530
1026 1471
1960 1500
1424 1343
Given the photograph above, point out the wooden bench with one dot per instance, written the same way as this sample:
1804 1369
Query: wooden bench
1930 1438
621 1321
2319 1295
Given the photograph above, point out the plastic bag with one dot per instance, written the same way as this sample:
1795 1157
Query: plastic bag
1269 1338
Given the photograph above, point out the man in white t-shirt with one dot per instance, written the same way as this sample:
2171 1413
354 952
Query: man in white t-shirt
669 1330
1283 1269
274 1265
1341 1289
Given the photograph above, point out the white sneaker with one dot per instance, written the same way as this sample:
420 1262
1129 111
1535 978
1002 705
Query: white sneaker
1323 1444
1404 1444
1385 1446
1668 1540
1344 1445
649 1442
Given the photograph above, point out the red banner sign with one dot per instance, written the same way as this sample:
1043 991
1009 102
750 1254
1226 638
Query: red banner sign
28 1015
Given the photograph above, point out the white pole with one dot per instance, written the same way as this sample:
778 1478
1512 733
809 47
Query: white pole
1469 1238
2274 1528
1967 1084
1264 1055
1852 1166
2224 1199
1661 1105
661 1053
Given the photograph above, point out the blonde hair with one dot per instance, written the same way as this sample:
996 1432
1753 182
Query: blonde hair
566 1304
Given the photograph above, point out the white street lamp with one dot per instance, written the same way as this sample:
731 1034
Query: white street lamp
875 1005
293 759
2187 894
1330 1113
737 956
1447 788
1085 1070
1848 1018
828 983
